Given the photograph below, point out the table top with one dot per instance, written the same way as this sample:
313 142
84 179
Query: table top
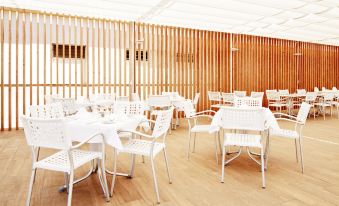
86 124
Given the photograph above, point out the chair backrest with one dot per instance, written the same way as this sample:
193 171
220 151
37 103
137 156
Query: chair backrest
49 99
311 96
273 95
240 93
334 89
159 101
257 94
48 133
173 95
303 112
271 90
122 98
135 97
247 102
323 89
328 96
227 97
284 92
102 96
316 89
129 108
214 96
243 118
301 91
189 109
162 122
48 111
69 105
196 99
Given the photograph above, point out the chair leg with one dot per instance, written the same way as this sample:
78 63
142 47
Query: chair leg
301 154
219 141
71 178
262 168
216 146
189 144
167 168
66 181
223 164
195 135
114 171
31 182
131 173
155 181
267 150
296 150
102 167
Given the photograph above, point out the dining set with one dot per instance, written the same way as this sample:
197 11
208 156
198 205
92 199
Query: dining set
82 129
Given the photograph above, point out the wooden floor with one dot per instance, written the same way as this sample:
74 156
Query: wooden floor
195 181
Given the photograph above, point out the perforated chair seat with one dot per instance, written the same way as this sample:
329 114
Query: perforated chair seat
284 133
60 161
242 140
216 105
142 147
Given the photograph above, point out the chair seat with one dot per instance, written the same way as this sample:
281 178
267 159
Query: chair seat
284 133
142 147
277 104
201 128
60 161
243 140
324 104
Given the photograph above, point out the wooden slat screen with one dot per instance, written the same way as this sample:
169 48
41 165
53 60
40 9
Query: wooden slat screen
178 59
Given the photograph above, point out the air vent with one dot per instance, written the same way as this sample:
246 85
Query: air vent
69 51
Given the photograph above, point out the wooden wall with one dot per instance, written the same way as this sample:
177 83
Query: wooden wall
178 59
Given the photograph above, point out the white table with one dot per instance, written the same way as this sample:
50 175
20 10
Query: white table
86 124
271 121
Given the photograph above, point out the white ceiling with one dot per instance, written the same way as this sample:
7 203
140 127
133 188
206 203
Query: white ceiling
303 20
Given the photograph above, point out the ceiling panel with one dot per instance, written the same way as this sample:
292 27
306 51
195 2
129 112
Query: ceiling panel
302 20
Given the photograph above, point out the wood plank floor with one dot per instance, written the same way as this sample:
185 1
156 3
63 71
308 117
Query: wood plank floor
195 181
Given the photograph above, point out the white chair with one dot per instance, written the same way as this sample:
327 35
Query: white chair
69 105
196 100
301 91
325 102
227 98
48 111
193 127
316 89
311 98
296 134
129 108
102 96
173 95
50 133
158 102
122 98
214 97
335 101
242 120
240 93
257 94
275 101
323 89
284 92
49 99
150 148
135 97
334 89
247 102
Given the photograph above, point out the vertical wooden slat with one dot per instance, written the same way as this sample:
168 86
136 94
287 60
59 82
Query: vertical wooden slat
115 57
120 67
57 51
87 57
153 60
9 70
104 54
37 58
149 60
69 57
93 56
81 58
17 70
63 56
2 34
109 58
98 71
75 57
30 61
24 63
123 57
